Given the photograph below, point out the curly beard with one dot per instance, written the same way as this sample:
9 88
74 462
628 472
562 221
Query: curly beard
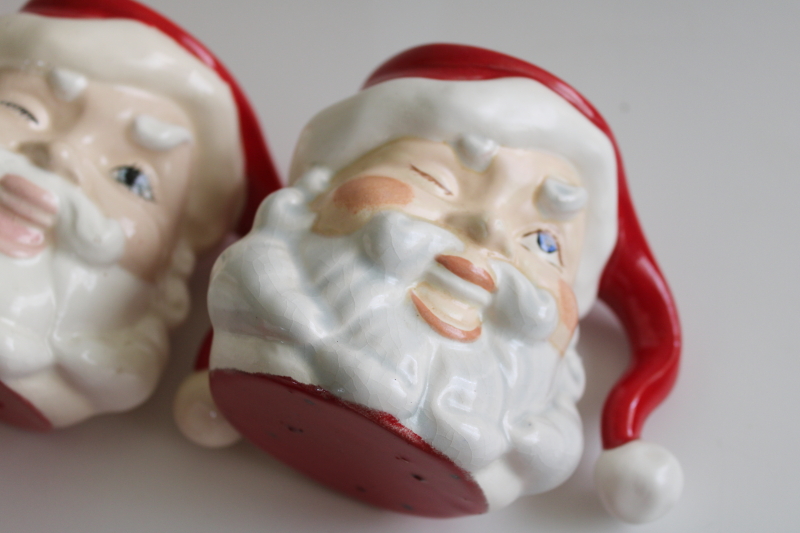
336 312
81 335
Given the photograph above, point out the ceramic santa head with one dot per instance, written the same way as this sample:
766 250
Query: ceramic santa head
126 148
401 322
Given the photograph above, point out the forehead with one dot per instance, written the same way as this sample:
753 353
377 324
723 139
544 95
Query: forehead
122 100
513 167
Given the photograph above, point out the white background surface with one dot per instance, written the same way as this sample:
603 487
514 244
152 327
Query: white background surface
702 97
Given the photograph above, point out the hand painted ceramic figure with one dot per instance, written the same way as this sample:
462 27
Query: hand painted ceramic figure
401 322
120 159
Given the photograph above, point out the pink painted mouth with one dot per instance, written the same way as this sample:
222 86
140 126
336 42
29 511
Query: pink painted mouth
440 326
449 316
26 213
466 270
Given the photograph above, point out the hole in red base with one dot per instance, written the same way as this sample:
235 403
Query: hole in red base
364 453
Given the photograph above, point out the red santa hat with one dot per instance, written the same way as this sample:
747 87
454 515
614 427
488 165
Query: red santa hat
430 92
142 48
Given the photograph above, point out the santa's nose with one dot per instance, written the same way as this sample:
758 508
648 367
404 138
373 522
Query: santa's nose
37 153
485 230
52 156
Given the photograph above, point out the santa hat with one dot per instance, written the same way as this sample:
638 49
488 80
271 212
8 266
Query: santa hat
442 91
137 46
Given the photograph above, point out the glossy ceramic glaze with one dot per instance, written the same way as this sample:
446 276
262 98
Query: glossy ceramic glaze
427 268
429 280
344 313
95 142
120 159
495 212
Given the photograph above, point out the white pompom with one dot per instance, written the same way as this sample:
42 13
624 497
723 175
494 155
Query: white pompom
638 481
198 417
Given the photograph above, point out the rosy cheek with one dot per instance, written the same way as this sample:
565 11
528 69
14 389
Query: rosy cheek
568 306
568 315
372 192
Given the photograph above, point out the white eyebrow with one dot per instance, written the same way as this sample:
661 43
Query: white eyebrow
559 200
475 151
153 134
66 84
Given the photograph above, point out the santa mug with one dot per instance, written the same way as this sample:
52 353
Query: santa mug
400 323
115 171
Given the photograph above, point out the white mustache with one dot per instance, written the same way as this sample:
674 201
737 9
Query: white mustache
80 225
402 247
406 248
519 306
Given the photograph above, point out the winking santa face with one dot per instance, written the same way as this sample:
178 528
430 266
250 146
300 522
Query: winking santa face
525 208
115 170
430 278
89 215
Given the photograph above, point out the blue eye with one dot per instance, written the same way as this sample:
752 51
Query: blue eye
547 243
544 243
134 179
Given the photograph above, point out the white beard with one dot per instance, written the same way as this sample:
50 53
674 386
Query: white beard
80 335
336 312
